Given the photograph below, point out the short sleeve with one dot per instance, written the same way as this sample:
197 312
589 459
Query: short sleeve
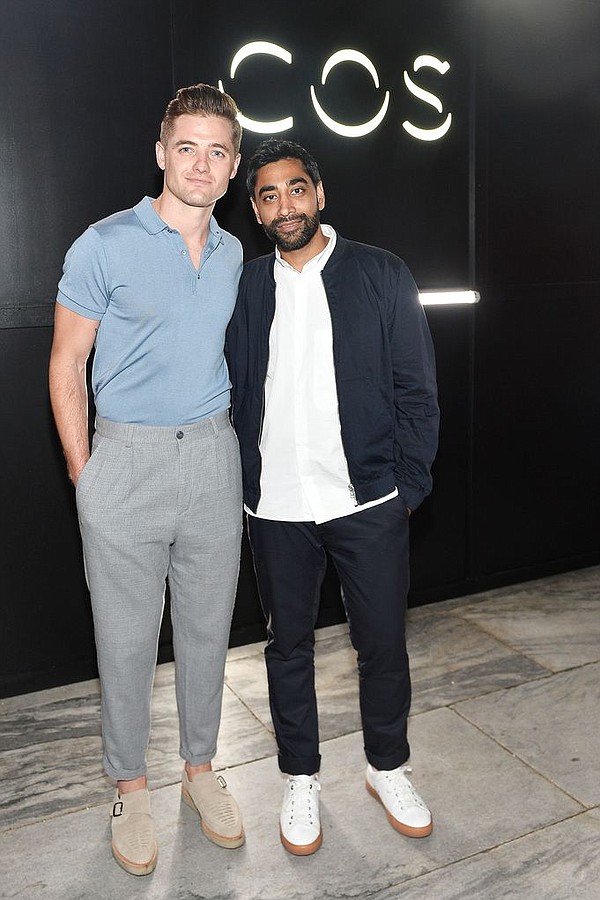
83 287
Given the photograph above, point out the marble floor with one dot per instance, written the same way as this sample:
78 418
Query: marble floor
505 748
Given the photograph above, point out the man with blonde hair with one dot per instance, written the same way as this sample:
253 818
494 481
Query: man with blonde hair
159 497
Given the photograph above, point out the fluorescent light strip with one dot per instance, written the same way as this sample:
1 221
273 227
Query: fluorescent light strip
445 298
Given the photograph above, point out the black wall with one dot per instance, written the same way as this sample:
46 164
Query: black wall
506 203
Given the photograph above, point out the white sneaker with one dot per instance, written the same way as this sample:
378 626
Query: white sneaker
405 810
299 823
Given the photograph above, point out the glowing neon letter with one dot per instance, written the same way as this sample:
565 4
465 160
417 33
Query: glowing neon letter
353 131
255 48
427 134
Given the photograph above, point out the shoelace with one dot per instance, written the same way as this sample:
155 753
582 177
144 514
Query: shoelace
300 801
403 789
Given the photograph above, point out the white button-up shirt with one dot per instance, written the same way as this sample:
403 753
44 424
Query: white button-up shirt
304 475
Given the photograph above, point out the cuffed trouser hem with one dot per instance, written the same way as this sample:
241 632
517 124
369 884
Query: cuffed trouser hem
299 765
386 763
198 760
123 774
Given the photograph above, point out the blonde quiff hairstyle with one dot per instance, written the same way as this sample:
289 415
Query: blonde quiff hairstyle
201 100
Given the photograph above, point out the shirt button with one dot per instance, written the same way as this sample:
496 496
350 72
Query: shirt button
184 252
179 435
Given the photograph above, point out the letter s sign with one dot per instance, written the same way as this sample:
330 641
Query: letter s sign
427 134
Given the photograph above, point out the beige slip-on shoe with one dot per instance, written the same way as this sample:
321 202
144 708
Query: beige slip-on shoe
134 843
220 816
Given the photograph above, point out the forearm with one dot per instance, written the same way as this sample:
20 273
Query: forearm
68 396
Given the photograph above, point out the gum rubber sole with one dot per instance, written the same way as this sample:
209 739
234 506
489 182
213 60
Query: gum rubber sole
218 839
301 849
406 830
135 868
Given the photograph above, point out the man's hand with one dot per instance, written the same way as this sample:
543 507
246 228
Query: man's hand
74 475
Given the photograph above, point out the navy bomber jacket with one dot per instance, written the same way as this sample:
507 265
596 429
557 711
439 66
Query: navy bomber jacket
384 370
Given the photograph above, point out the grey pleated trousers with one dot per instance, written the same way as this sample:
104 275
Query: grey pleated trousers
155 504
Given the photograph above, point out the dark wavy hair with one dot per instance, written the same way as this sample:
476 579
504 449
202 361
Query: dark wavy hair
272 150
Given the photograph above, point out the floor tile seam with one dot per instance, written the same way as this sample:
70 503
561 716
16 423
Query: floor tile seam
588 664
255 650
547 675
525 762
249 709
506 643
74 810
472 601
509 595
548 604
45 746
53 816
585 573
489 692
245 651
454 863
414 880
22 703
71 811
465 614
96 804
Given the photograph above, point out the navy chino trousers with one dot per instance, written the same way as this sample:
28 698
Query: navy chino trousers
370 552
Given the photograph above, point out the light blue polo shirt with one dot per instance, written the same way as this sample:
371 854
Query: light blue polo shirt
159 347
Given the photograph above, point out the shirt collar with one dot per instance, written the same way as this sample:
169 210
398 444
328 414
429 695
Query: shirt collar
153 223
320 259
148 216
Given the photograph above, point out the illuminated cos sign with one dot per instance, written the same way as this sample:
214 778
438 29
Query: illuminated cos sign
343 56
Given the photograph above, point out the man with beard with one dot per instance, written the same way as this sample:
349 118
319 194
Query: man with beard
335 408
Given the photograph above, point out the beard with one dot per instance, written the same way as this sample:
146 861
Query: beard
297 240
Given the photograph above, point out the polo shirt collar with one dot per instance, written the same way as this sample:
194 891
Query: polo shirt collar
148 216
153 223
